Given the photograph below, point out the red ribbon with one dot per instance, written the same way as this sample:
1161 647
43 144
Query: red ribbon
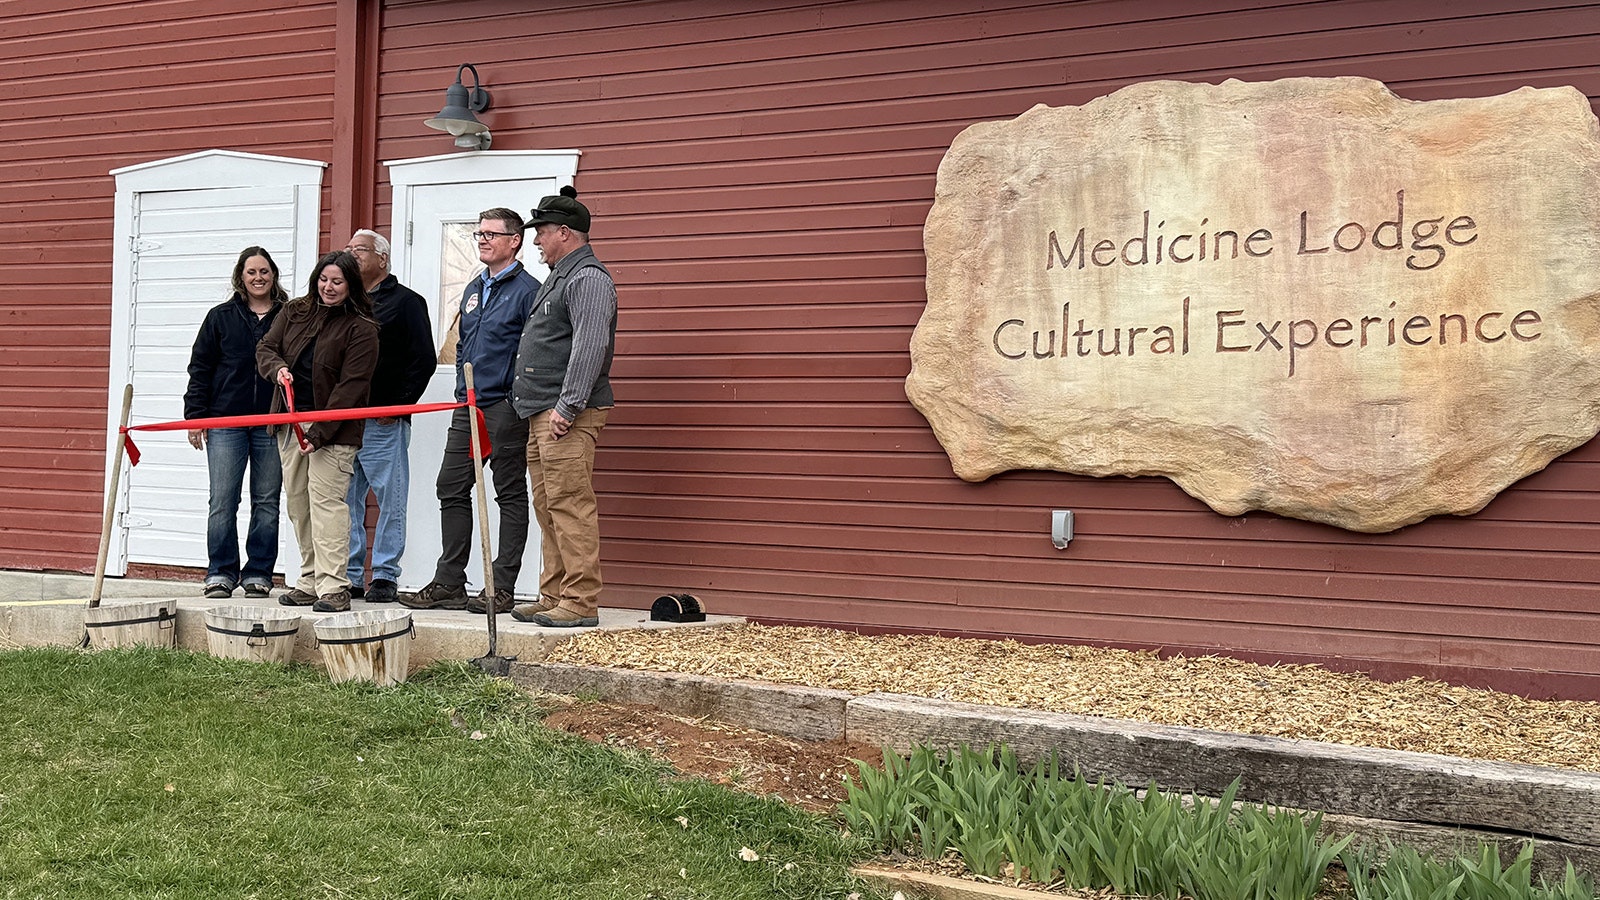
296 418
288 400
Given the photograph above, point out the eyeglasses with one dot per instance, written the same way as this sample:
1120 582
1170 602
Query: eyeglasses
359 250
490 235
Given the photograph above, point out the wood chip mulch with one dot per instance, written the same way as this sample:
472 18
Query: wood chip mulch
1287 701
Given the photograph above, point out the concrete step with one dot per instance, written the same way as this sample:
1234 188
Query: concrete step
48 610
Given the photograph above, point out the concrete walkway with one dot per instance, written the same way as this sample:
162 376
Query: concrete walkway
42 609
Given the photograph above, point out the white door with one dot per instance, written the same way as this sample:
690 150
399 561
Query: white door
185 245
436 204
179 226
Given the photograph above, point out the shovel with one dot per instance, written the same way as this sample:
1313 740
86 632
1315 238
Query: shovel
491 662
111 508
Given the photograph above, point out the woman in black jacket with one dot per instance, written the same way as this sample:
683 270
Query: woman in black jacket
223 382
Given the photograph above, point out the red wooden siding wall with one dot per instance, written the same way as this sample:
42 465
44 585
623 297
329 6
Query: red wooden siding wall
87 87
760 174
759 181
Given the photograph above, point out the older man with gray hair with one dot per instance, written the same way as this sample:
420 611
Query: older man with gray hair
563 389
406 360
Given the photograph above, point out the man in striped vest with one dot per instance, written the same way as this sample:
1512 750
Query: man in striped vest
563 387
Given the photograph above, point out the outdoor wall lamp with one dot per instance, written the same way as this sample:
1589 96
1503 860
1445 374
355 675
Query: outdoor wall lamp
457 116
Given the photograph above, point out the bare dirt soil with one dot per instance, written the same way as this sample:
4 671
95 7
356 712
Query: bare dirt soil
808 775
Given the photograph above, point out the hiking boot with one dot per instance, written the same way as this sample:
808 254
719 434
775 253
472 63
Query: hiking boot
524 612
503 601
218 590
296 597
560 618
436 596
382 591
338 601
356 593
257 590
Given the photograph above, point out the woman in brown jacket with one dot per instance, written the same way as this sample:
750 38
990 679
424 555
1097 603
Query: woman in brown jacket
325 347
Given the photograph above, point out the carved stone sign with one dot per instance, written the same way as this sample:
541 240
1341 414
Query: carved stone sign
1307 296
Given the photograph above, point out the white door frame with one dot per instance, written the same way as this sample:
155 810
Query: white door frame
204 170
414 182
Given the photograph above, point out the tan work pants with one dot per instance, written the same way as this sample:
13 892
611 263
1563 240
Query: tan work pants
561 473
314 487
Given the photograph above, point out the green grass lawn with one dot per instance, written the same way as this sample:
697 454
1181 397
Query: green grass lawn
176 775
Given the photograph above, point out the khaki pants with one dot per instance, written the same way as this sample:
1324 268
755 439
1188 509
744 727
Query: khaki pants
561 473
314 487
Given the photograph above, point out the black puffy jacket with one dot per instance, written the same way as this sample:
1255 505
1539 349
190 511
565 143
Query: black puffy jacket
222 366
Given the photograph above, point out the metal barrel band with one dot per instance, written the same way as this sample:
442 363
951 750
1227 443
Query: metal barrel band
410 629
163 617
258 631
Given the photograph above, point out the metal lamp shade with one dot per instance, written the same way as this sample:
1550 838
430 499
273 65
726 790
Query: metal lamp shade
456 117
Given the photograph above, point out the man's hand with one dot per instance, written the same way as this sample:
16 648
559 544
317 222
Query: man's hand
197 438
285 377
558 425
386 420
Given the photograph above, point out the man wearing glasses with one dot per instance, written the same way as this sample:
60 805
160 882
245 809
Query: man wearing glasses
563 386
406 361
493 308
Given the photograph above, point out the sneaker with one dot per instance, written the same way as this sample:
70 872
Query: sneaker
218 590
356 593
257 590
338 601
560 618
381 591
436 596
503 601
297 597
524 612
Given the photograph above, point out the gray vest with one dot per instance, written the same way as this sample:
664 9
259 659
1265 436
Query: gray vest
547 343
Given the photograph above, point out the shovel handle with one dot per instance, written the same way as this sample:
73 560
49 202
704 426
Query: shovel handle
111 498
483 511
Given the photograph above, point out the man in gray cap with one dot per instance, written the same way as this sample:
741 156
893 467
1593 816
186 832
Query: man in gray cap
563 387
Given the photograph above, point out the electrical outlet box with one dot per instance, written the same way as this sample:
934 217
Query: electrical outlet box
1061 528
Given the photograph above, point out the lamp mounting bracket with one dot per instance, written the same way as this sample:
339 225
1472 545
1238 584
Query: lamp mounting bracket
478 97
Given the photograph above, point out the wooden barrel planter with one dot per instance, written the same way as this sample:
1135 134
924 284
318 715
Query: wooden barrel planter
374 645
259 634
131 623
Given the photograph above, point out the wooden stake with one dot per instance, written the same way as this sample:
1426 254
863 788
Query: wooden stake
483 515
111 499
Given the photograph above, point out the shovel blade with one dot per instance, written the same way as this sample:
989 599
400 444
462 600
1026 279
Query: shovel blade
498 666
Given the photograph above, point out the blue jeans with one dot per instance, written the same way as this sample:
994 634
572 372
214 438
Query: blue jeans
228 452
384 464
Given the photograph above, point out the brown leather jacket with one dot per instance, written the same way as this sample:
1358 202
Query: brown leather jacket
341 378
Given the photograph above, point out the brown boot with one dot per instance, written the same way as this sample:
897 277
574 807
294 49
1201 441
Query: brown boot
338 601
297 597
561 617
503 601
525 612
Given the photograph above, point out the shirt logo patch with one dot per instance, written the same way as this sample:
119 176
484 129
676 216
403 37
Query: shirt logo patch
472 304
